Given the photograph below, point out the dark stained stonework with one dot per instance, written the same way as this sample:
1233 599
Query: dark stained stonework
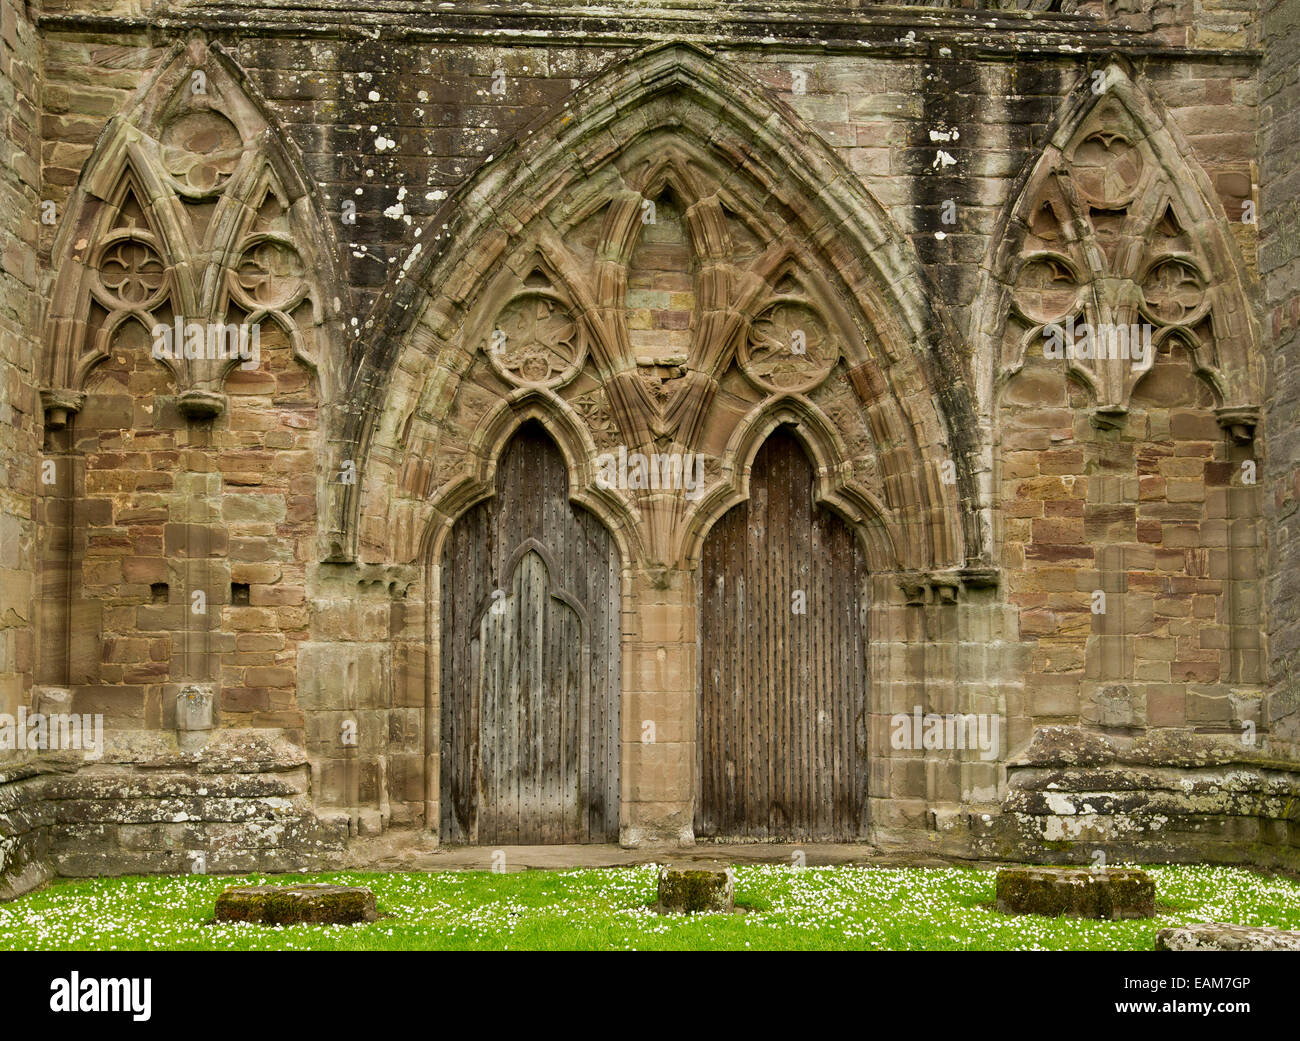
239 567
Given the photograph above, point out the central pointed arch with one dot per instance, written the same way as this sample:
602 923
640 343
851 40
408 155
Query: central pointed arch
532 255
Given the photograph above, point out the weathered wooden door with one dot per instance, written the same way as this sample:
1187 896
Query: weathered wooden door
530 662
781 720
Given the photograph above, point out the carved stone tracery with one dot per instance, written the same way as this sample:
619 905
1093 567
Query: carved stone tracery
172 223
1115 235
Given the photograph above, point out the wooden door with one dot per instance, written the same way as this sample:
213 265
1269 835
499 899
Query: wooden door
781 718
530 662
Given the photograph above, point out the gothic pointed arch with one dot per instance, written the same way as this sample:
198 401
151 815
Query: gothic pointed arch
671 252
1115 230
193 212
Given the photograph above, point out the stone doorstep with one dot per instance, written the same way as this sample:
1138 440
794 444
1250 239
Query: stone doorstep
1226 936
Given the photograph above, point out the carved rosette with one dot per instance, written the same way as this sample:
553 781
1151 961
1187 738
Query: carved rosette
788 348
536 341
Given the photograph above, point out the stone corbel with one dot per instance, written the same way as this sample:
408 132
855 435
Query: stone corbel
1109 417
196 404
946 586
1239 421
59 404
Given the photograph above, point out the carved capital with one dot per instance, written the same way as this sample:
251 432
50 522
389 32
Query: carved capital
1240 422
59 404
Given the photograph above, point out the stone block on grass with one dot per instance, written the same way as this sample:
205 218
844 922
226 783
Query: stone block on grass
314 904
1225 936
692 889
1105 893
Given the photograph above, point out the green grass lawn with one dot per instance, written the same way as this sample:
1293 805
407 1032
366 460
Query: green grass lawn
786 908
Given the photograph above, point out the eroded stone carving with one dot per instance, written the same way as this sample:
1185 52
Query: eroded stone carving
1119 249
184 223
536 341
788 348
201 149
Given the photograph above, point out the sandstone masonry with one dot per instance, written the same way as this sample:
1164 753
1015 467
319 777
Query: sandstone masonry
674 231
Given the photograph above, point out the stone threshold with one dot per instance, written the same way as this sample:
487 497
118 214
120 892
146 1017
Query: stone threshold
409 851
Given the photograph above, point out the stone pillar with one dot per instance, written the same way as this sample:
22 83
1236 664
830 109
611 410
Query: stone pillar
56 491
658 717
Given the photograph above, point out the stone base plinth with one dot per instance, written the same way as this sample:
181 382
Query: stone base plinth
1222 936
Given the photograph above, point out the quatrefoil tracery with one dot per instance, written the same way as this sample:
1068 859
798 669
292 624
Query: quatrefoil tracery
270 275
132 275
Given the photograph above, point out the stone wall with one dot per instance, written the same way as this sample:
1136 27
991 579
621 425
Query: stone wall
396 158
20 213
22 818
24 830
242 803
1279 263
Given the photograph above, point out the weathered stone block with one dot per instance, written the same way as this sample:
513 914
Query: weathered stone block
695 889
316 904
1221 936
1087 893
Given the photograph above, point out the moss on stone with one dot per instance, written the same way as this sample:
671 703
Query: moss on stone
297 905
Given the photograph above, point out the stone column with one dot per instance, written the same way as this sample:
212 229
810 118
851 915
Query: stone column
658 710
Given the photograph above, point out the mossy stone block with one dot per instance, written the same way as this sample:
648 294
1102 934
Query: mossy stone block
315 904
1106 893
693 889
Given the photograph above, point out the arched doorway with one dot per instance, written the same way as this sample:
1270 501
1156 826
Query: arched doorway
781 717
530 661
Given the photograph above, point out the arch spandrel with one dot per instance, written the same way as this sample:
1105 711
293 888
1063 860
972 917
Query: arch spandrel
746 171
